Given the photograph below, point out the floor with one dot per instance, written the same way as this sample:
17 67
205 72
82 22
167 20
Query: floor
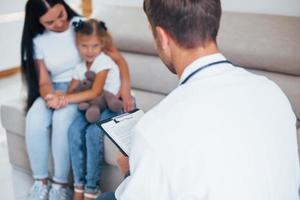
14 183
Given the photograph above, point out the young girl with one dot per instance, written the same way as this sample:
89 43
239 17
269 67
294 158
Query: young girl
85 139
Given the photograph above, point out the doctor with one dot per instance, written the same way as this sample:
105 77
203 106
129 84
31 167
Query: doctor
222 134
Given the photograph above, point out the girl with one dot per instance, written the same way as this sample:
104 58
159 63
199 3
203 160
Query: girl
86 140
49 55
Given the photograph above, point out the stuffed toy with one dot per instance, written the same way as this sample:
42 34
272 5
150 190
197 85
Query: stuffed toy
104 100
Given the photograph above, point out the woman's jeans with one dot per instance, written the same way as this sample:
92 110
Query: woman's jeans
87 151
39 121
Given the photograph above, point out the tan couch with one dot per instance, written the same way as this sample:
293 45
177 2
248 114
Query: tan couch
264 44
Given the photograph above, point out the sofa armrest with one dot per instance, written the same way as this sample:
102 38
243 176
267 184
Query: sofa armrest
13 116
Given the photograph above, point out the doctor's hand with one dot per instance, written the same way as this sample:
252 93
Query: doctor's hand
123 163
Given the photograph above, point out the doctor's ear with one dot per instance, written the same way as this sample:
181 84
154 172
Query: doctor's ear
162 37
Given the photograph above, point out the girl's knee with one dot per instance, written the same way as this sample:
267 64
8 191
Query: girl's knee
93 129
75 135
76 129
93 134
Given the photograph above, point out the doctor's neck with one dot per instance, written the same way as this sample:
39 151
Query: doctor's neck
182 57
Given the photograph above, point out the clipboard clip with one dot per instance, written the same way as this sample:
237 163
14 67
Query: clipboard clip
122 117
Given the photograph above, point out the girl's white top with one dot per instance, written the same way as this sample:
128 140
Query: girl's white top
102 62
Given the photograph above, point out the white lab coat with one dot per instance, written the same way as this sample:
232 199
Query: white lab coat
226 134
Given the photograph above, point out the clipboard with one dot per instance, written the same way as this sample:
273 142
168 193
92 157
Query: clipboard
119 129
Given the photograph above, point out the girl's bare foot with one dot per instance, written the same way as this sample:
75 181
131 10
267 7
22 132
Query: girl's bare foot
78 193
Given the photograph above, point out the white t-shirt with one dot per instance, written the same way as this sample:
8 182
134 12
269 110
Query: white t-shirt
226 134
102 62
59 52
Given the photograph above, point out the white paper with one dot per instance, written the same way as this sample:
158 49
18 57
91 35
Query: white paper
119 129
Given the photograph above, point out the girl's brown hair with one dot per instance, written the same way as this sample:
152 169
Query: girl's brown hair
94 27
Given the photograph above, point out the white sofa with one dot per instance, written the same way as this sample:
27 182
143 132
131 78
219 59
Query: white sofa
264 44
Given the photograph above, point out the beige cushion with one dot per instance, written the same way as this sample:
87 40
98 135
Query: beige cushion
146 100
261 41
252 40
129 27
150 74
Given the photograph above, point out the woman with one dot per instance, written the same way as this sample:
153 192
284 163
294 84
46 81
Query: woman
49 56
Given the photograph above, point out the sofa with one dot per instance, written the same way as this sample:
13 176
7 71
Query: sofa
264 44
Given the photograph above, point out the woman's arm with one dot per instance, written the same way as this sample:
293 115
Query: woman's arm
90 94
45 83
125 90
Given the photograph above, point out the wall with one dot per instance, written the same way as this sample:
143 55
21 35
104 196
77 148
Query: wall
11 25
279 7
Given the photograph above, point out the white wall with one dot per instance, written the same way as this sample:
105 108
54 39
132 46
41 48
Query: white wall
119 2
11 25
279 7
9 6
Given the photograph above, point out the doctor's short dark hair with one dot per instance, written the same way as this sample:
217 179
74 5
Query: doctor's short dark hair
191 23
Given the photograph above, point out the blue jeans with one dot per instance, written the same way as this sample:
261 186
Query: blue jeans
87 151
39 121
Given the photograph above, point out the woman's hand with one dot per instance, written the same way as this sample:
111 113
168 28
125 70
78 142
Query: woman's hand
52 101
125 94
56 100
123 163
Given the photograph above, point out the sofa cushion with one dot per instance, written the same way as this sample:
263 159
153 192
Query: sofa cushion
129 27
146 100
274 39
148 73
260 41
254 41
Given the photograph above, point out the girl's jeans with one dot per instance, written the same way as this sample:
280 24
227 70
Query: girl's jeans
87 151
39 121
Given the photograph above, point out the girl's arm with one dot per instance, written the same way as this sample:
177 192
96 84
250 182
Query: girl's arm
74 84
90 94
125 90
45 84
58 100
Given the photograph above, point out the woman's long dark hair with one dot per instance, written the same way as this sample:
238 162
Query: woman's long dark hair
32 27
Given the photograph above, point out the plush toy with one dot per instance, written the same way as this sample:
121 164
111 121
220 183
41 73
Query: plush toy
104 100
